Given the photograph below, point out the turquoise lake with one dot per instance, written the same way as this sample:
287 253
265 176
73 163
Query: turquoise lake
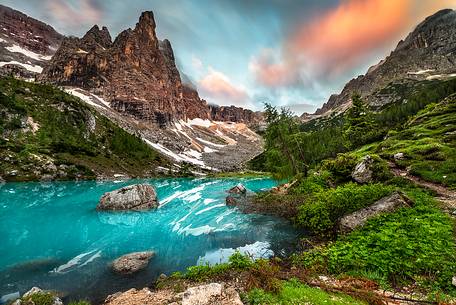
51 236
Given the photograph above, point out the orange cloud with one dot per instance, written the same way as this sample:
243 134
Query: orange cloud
342 38
218 86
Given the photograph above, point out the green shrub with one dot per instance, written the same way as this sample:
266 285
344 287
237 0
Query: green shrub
39 298
320 212
293 292
414 244
341 167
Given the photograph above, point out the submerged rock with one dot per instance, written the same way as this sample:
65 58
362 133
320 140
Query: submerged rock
238 189
385 205
132 197
363 170
132 262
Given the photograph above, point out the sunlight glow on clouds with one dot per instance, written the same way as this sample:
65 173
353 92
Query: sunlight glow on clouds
217 86
83 12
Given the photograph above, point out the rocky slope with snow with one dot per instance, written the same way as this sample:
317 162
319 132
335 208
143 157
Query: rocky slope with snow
26 44
427 53
134 82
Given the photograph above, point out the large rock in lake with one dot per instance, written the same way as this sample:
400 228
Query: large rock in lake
132 197
133 262
385 205
238 189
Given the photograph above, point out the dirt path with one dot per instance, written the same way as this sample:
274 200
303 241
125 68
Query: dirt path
446 196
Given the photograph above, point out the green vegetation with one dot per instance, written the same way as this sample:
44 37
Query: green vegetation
321 211
236 261
428 143
82 302
39 298
412 245
293 292
46 132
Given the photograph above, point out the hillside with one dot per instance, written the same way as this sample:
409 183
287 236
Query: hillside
47 134
403 254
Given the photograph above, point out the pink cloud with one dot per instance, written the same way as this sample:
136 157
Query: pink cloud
216 85
340 39
85 12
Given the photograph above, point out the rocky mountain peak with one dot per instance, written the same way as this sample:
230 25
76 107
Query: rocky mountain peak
145 28
99 36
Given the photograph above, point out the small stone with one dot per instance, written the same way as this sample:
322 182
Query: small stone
398 156
453 281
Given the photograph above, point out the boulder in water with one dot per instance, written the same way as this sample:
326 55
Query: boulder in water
238 189
132 197
133 262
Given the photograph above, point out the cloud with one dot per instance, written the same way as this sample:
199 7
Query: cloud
335 43
197 63
217 87
85 12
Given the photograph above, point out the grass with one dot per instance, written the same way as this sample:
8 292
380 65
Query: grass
293 292
428 143
412 245
69 133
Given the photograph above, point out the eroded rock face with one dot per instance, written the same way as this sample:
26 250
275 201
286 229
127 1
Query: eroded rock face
136 73
25 43
132 197
427 51
385 205
363 170
133 262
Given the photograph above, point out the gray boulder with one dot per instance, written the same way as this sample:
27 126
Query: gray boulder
385 205
363 170
238 189
398 156
132 197
132 262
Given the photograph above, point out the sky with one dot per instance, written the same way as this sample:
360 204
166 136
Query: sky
292 53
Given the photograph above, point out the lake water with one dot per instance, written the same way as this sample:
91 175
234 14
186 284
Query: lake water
51 236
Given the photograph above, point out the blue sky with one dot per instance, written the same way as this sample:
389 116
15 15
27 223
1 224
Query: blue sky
245 52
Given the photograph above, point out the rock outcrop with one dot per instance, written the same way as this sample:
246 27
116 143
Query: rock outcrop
363 170
132 262
236 114
26 298
385 205
426 53
207 294
26 44
133 197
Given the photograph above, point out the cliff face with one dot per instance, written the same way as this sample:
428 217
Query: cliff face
26 44
235 114
136 73
426 53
